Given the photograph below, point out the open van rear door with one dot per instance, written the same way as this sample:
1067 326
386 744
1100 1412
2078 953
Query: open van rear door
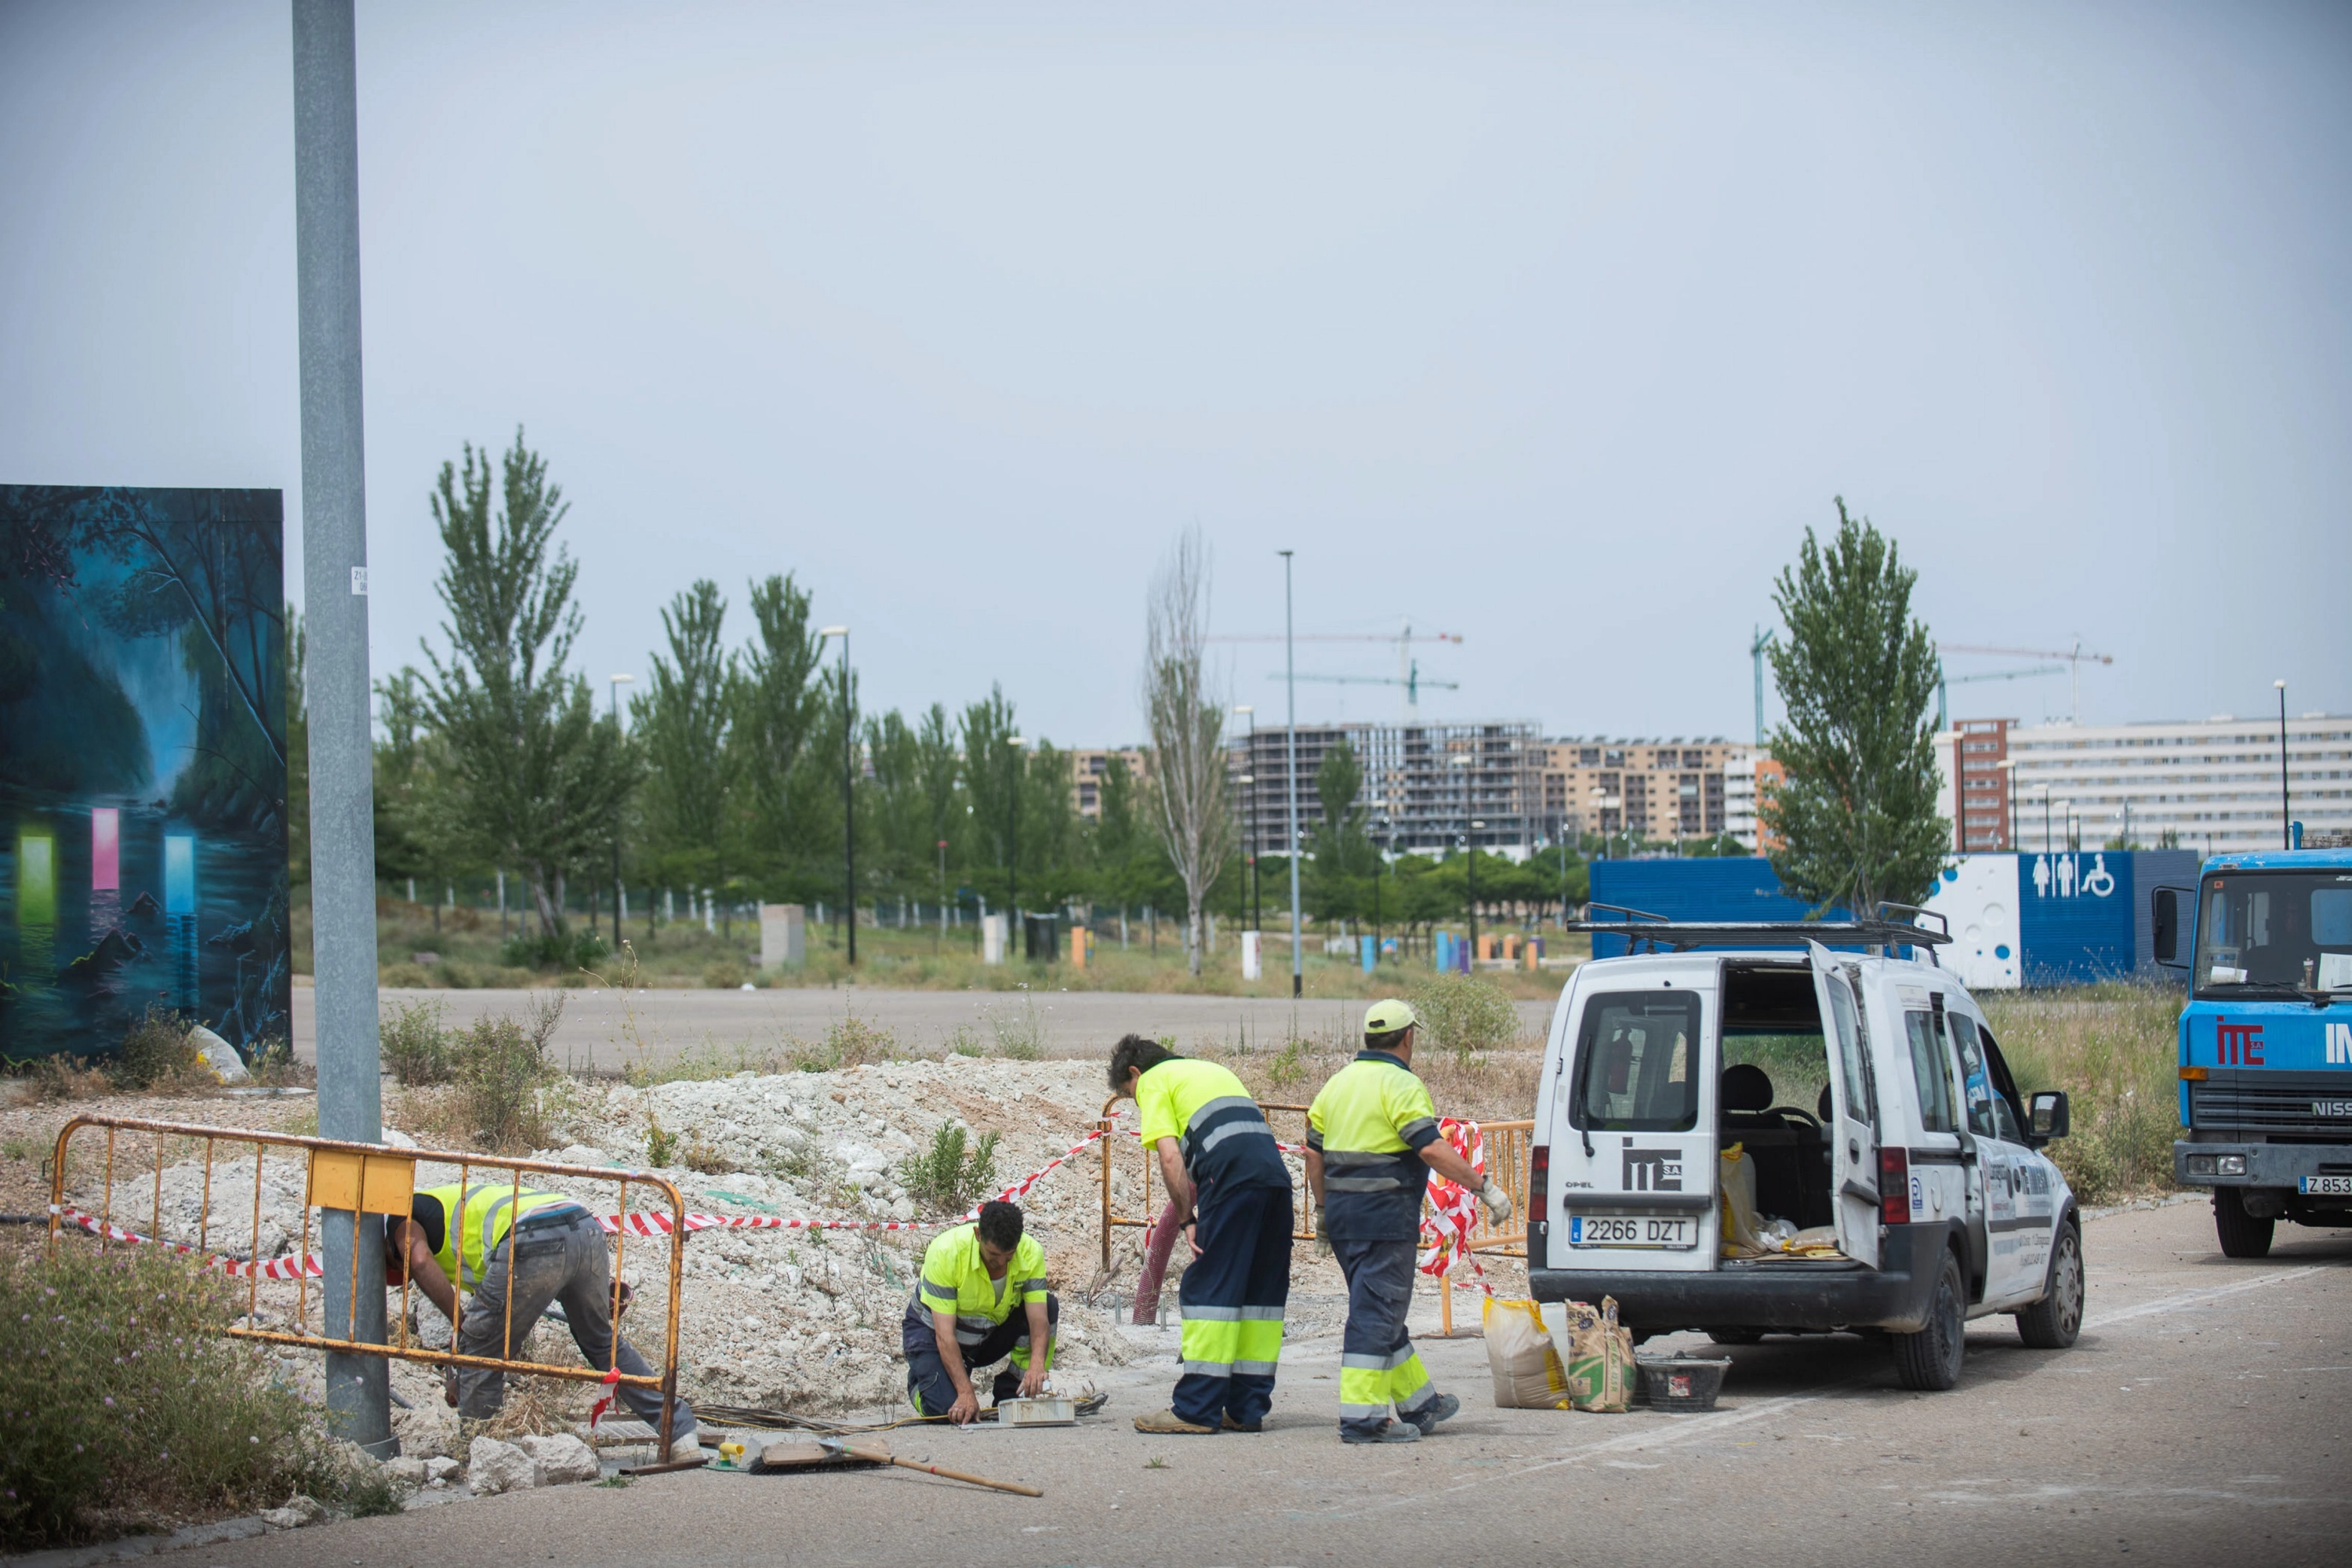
1853 1135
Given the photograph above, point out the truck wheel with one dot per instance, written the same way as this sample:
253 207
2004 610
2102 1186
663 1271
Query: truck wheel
2242 1234
1930 1359
2051 1324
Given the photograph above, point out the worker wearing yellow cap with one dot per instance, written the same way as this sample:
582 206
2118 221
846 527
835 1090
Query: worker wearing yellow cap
1371 1141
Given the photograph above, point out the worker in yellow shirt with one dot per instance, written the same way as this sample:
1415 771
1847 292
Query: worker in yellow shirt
1371 1141
981 1299
1231 1194
519 1250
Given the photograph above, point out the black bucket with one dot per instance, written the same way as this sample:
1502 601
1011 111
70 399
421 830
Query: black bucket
1683 1383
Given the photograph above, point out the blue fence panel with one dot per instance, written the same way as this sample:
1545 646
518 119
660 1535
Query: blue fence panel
2076 916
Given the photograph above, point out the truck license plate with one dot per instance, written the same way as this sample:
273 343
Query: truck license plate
1673 1231
2328 1186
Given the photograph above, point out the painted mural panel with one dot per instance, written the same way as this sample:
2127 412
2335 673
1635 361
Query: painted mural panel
142 765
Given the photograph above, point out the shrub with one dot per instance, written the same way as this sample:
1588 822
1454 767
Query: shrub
953 1173
119 1398
158 1054
415 1045
500 1065
553 950
1464 1014
661 1143
61 1078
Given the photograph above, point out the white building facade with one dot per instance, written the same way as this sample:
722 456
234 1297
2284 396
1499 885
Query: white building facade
2212 785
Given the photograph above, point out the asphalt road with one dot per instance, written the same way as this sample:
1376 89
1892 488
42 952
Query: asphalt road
2204 1417
597 1028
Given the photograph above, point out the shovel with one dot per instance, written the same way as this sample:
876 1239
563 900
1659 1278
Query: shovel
875 1451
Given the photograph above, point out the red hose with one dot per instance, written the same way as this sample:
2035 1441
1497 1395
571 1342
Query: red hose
1162 1243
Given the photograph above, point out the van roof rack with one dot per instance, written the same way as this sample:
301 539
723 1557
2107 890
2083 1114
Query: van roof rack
1672 935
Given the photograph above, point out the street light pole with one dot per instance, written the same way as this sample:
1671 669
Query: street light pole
614 684
848 793
1470 843
2286 828
1012 744
1249 805
1290 769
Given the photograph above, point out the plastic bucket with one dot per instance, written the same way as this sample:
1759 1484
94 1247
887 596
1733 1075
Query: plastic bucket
1683 1383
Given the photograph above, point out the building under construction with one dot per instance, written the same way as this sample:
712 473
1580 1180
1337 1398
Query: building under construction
1424 785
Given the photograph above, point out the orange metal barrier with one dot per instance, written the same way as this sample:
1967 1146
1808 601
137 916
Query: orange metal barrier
1507 1161
362 1179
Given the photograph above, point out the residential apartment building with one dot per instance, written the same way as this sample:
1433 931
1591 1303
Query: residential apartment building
1087 766
1424 784
1657 790
2212 785
1974 792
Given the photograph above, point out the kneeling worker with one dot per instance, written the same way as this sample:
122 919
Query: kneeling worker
1232 1192
521 1252
981 1299
1371 1141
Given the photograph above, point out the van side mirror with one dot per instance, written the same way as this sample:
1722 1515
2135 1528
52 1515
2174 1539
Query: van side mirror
2164 908
2050 1119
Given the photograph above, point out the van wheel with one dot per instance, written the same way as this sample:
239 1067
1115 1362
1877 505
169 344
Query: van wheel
1736 1336
2242 1234
1930 1359
2051 1324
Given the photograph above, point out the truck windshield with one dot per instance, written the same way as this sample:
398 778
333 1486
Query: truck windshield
2274 930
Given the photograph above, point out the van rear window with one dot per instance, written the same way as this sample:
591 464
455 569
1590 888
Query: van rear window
1639 1051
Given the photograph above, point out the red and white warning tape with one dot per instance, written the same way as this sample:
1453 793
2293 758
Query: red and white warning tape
1454 1209
314 1266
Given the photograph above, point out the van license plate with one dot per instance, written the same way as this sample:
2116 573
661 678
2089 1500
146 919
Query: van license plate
2328 1186
1673 1231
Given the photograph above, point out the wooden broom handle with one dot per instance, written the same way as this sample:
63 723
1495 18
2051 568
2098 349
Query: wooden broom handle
961 1476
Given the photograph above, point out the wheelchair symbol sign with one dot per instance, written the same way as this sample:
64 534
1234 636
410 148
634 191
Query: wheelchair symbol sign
2065 876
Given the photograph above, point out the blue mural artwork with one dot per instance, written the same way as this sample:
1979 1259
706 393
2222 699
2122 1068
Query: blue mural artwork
142 765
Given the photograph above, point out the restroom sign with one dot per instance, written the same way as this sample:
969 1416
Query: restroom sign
2072 876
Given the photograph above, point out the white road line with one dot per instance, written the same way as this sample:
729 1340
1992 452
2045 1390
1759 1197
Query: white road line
2198 1298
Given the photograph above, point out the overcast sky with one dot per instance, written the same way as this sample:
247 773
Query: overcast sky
1550 326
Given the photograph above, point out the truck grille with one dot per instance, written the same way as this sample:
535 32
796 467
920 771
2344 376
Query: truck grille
2293 1102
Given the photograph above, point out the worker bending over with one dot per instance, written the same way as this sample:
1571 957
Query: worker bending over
963 1316
1371 1141
1230 1191
520 1253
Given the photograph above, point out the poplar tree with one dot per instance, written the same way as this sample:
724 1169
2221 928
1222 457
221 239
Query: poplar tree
1856 813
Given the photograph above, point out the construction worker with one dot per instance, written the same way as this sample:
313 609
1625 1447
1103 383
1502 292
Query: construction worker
1371 1141
520 1252
1231 1193
981 1299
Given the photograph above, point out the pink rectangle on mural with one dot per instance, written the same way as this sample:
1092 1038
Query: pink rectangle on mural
105 849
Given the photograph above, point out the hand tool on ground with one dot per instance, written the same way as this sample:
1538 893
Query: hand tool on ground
854 1448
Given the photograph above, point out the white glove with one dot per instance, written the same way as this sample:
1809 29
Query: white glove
1497 1201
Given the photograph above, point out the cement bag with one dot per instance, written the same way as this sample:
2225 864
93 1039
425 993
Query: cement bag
1519 1352
1598 1356
1735 1179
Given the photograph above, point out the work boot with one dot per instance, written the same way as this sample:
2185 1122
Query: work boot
1445 1407
1233 1426
687 1445
1168 1424
1006 1386
1394 1432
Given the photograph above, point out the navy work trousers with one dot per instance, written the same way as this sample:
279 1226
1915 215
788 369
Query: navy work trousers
928 1386
1233 1297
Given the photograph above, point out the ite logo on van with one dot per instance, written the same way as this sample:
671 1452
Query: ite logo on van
2238 1045
1652 1170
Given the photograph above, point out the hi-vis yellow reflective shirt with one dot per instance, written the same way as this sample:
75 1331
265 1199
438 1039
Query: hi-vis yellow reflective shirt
1226 1141
1371 1120
462 1234
955 1280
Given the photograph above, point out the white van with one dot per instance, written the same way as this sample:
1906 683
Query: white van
1711 1155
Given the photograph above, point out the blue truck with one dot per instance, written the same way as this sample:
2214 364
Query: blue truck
2266 1038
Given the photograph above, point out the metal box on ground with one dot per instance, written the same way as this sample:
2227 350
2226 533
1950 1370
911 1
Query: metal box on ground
1049 1410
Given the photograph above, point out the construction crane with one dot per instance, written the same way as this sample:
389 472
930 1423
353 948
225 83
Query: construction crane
1408 675
1412 683
2073 658
1943 682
